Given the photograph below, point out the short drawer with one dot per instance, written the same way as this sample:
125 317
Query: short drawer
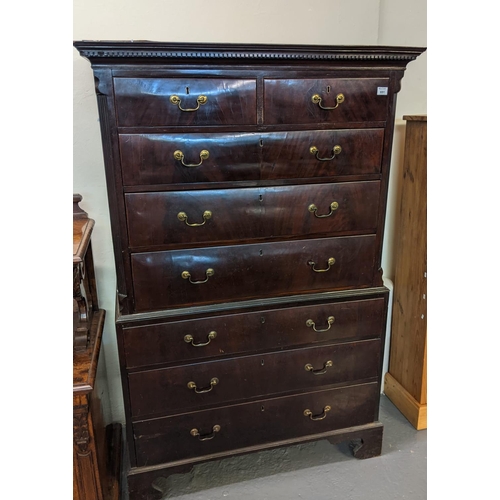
195 157
230 334
225 215
228 273
302 101
156 102
182 388
207 432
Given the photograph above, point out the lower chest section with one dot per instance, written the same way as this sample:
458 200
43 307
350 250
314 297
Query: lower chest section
223 381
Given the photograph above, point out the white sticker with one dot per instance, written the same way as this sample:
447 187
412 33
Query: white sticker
382 90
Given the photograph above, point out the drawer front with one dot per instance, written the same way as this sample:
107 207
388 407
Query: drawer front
249 424
156 102
315 153
150 159
238 214
226 335
291 100
228 273
182 388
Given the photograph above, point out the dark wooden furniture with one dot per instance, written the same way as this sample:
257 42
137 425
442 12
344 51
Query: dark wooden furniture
247 186
406 382
84 287
96 447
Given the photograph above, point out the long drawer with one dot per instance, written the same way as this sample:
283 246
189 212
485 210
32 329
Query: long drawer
325 100
270 420
216 157
182 388
229 273
230 334
223 215
154 102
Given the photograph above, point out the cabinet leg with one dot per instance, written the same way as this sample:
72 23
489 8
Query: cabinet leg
151 485
365 443
369 445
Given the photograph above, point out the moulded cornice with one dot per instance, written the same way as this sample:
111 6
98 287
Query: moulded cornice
119 50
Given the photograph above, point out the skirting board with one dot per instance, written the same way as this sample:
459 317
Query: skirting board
415 412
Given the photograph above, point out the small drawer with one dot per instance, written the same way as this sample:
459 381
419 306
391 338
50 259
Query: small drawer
156 102
219 274
208 432
183 388
231 334
209 216
190 158
335 100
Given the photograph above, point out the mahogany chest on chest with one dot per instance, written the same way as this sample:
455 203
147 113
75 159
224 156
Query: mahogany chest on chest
247 187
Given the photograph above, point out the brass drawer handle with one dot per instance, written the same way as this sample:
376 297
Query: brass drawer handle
310 368
313 209
330 321
213 383
176 100
190 340
335 151
316 99
205 437
308 413
187 276
179 155
331 261
182 216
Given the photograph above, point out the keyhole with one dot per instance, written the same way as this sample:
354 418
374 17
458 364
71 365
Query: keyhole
328 89
261 142
261 408
260 197
187 90
261 362
260 253
262 319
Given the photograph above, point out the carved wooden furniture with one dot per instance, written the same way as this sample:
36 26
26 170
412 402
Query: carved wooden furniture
247 186
406 382
84 287
96 448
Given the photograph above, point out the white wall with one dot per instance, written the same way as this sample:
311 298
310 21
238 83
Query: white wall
329 22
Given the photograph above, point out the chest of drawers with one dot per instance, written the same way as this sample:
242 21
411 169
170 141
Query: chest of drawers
247 187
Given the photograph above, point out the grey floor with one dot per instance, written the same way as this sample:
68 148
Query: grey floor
316 471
